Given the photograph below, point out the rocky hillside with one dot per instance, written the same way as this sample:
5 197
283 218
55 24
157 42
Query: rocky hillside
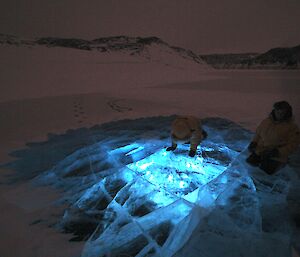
276 58
148 47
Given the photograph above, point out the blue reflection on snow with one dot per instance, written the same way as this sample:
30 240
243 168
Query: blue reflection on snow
138 149
128 149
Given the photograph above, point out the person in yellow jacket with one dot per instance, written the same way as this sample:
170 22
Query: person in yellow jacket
276 138
187 129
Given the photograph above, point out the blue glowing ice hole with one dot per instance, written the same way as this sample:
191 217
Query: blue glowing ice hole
175 173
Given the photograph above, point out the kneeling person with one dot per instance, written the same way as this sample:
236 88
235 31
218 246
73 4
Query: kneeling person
187 129
276 138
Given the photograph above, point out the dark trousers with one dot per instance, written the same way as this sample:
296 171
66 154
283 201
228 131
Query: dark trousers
266 164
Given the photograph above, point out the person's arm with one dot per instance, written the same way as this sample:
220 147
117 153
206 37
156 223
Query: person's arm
257 137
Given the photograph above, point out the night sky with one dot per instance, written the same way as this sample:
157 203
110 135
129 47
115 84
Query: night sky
204 26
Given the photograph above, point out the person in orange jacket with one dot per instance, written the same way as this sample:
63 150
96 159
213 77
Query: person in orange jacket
276 138
187 129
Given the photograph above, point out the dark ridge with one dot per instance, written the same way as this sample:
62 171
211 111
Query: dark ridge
125 39
65 42
14 40
275 58
114 39
230 58
288 56
149 40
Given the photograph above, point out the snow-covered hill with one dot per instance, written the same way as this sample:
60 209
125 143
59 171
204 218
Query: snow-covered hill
53 66
152 48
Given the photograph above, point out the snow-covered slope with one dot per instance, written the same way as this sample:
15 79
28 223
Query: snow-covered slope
149 47
38 69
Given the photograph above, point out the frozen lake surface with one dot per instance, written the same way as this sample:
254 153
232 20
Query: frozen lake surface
113 184
126 195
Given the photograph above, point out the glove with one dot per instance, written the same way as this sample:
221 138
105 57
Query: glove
171 148
270 153
252 146
192 153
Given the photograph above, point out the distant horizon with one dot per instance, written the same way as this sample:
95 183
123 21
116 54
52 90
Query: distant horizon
203 26
150 36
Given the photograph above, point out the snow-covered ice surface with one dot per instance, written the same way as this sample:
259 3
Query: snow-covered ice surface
127 196
113 184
